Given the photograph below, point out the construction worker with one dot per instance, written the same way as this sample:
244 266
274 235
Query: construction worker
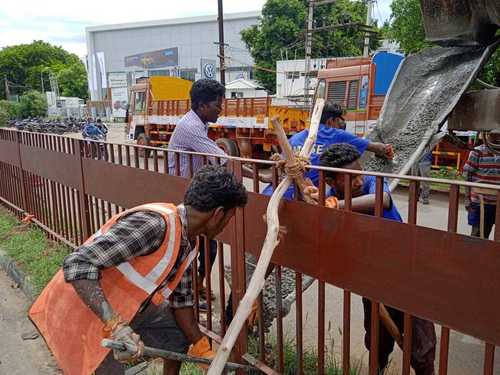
191 134
483 165
423 169
331 130
131 281
346 156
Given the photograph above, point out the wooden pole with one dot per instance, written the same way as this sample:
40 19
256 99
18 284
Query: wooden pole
271 241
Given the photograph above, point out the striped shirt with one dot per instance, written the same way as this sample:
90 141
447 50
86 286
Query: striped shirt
482 166
137 234
191 134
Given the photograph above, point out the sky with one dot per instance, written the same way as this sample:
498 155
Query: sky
63 22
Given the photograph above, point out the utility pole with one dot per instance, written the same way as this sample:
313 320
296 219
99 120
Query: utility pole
41 79
308 45
366 49
221 44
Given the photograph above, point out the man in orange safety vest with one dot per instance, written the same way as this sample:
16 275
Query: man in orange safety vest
131 281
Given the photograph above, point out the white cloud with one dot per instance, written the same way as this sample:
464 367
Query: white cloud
63 22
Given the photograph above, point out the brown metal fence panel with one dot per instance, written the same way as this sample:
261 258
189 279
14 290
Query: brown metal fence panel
72 187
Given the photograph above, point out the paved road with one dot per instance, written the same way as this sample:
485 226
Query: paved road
18 356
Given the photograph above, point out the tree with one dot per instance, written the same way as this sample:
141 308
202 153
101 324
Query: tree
407 28
33 104
11 109
27 65
281 33
73 80
8 110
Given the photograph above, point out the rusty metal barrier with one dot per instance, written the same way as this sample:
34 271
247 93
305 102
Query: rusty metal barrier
72 187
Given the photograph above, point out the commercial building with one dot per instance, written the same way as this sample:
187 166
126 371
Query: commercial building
184 47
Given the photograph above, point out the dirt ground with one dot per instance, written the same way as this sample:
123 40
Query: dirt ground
19 356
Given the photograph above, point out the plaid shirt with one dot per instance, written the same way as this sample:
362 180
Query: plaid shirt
137 234
191 134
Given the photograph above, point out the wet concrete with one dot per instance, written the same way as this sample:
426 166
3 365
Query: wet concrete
426 89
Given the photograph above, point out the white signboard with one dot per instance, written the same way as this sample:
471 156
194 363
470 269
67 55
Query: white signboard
117 79
119 98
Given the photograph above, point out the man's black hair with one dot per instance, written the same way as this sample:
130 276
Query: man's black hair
338 156
205 91
213 186
331 110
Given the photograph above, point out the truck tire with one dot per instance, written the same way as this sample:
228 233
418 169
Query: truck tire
143 140
229 146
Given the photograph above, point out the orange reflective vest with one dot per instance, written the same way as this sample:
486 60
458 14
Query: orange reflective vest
72 331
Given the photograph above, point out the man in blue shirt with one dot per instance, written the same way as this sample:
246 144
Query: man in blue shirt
331 131
363 200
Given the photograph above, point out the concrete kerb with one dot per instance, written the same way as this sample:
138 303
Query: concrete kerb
19 277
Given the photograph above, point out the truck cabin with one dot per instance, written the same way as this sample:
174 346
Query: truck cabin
137 105
359 85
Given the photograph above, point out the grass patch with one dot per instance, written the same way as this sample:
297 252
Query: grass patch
310 364
38 257
332 366
442 173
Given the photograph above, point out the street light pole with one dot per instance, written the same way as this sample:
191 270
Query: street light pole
221 44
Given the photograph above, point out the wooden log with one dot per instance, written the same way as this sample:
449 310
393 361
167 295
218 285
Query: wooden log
389 325
271 241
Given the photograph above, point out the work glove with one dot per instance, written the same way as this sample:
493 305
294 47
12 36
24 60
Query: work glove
118 330
202 349
313 193
253 317
331 202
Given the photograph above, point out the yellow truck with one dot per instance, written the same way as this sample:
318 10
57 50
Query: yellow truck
244 128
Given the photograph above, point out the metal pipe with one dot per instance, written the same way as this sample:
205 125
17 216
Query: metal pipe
166 354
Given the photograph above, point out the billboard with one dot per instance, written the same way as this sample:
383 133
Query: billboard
119 98
163 58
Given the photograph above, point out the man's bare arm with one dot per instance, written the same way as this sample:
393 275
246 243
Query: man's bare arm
91 293
186 320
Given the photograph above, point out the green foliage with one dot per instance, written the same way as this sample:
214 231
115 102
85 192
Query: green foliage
407 25
26 65
12 109
491 71
31 250
73 80
281 32
33 104
407 28
3 118
8 110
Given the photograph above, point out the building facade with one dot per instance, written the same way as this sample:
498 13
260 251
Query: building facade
184 47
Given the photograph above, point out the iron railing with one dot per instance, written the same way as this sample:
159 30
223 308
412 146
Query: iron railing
72 187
